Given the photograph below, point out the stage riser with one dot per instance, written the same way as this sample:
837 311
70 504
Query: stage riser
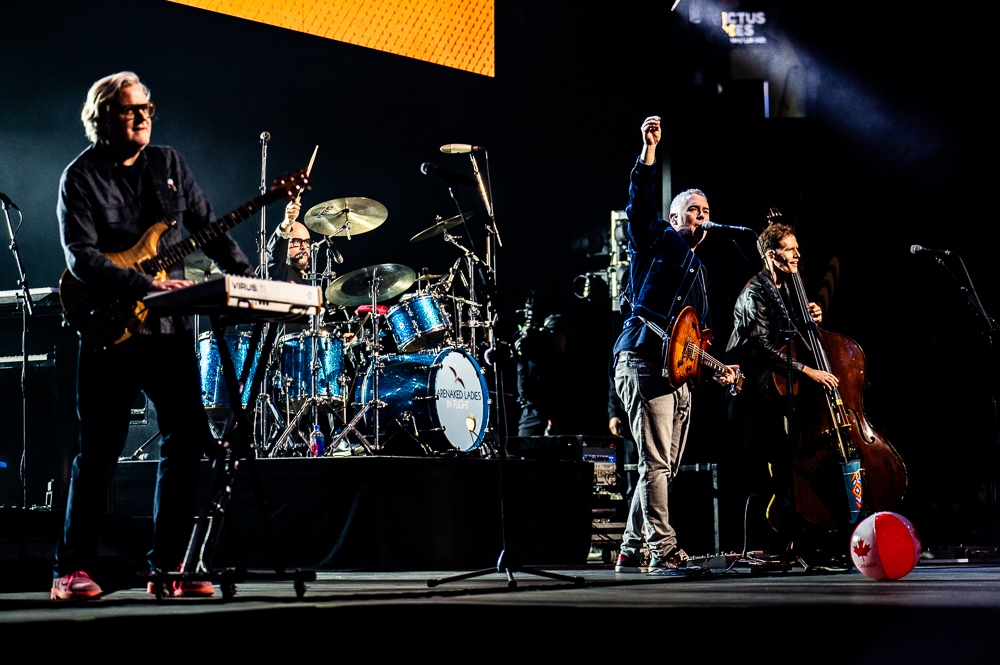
395 513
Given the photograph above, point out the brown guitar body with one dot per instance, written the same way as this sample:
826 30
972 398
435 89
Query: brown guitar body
817 484
106 321
682 348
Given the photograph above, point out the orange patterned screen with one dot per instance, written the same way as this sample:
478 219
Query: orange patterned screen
454 33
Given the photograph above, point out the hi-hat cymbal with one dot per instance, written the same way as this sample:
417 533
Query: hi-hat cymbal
440 227
354 288
198 267
348 216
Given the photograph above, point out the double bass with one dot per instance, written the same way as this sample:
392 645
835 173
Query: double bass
841 466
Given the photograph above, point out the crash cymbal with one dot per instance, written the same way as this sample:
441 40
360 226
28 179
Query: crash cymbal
440 227
354 288
345 217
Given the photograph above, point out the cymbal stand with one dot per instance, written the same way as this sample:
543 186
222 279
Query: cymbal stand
372 447
312 402
470 260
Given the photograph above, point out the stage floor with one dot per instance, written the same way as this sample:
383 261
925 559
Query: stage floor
938 613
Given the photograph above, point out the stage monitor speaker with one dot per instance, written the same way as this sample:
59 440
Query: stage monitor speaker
143 442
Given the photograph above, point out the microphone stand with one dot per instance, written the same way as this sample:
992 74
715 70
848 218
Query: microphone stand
969 290
27 309
262 234
506 562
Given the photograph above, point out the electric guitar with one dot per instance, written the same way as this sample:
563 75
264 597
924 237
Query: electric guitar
108 320
684 352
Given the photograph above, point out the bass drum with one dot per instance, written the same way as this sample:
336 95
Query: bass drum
439 400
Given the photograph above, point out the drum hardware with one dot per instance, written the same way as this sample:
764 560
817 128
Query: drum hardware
345 216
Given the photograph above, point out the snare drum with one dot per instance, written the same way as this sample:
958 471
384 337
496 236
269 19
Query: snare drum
214 394
418 323
296 367
440 397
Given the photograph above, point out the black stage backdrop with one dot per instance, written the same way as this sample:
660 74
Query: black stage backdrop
895 148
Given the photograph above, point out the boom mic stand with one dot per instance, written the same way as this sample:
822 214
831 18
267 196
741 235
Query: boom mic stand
969 290
27 309
506 562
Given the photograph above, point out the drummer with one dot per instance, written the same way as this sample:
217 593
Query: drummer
293 265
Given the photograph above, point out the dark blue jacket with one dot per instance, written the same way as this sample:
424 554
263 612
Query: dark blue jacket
660 261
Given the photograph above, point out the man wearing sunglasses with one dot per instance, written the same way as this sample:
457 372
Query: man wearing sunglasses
108 197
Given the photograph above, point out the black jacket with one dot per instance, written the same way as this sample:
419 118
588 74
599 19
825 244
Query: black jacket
757 338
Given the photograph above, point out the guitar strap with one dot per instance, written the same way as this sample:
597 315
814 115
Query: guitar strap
646 315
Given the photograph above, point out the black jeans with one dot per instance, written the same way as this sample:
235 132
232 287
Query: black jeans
165 367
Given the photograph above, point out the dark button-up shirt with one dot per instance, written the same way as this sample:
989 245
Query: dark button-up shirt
105 207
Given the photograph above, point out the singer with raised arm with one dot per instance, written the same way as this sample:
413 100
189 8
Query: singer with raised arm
108 197
665 276
764 311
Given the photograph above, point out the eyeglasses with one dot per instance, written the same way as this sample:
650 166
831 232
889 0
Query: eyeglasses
298 242
128 112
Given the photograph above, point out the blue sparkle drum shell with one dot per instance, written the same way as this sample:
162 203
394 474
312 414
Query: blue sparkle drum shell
439 399
418 323
297 362
214 394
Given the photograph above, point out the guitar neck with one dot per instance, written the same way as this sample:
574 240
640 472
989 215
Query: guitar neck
177 251
707 360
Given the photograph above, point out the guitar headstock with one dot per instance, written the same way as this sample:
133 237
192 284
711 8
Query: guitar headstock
773 215
290 186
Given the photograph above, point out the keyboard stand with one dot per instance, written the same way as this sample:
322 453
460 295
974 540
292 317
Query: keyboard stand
233 447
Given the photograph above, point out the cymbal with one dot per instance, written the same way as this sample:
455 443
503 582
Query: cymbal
354 288
347 216
198 267
440 227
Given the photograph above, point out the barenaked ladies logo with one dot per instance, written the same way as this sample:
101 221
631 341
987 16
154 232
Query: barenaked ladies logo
740 27
458 379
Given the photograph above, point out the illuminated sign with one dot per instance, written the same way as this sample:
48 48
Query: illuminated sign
744 27
453 33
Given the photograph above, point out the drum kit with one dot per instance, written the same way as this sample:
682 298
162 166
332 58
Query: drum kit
378 378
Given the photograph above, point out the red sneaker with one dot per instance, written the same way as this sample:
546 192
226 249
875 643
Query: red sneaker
179 588
74 586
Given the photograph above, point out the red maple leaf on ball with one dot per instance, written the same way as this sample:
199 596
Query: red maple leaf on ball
861 549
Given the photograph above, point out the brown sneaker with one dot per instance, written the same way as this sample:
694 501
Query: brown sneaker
675 558
74 586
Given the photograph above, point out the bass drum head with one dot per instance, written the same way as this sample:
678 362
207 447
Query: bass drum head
462 404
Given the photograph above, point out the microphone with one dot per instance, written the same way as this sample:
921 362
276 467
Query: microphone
917 249
7 202
452 178
713 225
460 148
265 137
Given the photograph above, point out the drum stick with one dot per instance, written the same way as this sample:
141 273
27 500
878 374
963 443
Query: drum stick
309 169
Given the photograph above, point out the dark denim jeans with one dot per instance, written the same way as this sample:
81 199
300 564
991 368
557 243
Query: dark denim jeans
108 381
